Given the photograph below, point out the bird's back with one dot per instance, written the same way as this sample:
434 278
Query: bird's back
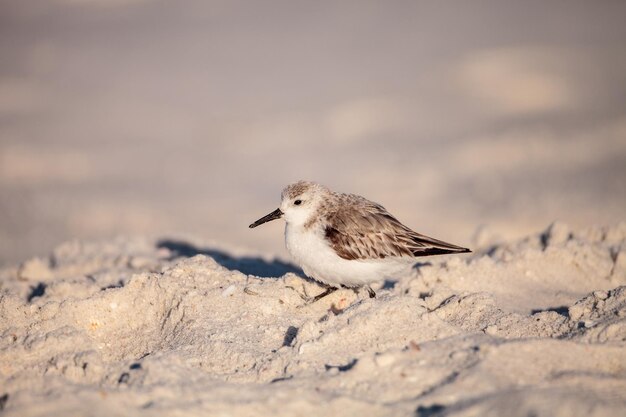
357 228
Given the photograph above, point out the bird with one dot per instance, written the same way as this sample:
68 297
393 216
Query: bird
345 240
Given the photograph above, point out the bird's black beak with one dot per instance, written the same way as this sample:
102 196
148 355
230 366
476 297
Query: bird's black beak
276 214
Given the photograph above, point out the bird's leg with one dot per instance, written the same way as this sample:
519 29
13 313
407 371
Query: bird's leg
370 291
329 290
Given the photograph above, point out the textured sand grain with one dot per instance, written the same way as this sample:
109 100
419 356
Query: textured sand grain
131 326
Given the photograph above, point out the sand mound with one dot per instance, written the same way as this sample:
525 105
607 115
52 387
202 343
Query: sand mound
533 327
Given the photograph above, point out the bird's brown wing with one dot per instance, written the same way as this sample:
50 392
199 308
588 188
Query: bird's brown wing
367 231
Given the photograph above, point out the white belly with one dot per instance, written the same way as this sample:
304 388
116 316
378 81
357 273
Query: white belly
320 262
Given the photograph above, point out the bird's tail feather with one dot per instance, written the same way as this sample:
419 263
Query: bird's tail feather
425 246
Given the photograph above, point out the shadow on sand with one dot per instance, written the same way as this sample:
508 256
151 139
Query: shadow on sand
245 264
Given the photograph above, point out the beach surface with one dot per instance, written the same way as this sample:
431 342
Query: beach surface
535 326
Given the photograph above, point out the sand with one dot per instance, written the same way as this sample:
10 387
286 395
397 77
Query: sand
168 327
159 118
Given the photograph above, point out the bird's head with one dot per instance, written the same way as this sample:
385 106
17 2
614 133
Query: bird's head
299 202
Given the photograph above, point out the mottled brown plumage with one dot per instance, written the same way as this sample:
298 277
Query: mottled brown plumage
357 228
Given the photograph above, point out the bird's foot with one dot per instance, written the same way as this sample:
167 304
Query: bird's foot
328 291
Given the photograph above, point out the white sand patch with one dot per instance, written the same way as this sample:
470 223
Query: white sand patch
519 80
360 119
34 165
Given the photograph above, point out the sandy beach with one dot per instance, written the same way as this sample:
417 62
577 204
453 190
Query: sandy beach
137 327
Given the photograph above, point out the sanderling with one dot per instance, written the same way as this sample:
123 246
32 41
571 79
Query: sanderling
345 240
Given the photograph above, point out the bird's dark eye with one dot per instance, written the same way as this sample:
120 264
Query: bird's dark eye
297 202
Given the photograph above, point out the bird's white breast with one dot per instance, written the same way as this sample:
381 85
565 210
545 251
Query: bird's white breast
318 260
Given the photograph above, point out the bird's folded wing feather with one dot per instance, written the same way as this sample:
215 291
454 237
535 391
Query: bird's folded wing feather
367 231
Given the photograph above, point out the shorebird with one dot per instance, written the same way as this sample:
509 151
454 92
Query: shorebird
345 240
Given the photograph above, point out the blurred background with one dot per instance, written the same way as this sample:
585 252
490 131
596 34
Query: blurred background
163 118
